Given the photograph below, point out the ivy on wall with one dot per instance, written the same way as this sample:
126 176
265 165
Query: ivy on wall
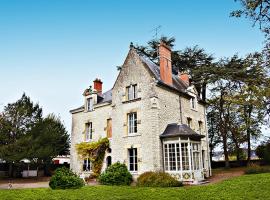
95 151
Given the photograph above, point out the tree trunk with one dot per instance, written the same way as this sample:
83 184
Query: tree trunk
249 133
249 147
237 146
204 92
225 150
10 169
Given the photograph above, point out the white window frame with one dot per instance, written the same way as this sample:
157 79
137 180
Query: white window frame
132 91
87 164
182 162
89 131
90 104
134 157
196 163
132 123
193 103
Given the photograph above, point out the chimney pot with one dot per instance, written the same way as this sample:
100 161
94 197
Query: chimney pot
184 77
98 86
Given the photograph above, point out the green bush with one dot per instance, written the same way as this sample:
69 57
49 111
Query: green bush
157 179
116 174
257 169
64 178
263 151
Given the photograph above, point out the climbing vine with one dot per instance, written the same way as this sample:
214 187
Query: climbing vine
95 151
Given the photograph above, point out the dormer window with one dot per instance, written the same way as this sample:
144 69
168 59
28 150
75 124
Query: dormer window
89 104
132 92
193 103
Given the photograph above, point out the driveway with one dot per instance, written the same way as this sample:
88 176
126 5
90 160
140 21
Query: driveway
40 182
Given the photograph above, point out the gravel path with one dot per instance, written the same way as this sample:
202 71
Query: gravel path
41 182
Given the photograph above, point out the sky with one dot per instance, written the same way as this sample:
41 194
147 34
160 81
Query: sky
53 49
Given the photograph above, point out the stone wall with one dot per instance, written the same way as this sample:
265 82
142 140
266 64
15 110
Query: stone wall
134 72
98 117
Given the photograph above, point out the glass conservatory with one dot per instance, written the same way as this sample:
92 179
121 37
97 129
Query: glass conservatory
182 153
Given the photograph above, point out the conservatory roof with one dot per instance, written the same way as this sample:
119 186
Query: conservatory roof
180 130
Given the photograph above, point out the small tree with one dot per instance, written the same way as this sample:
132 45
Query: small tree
49 138
116 174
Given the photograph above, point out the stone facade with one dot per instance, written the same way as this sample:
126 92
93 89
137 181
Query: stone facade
156 106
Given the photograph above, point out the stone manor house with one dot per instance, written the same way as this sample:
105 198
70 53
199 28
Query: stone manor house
154 119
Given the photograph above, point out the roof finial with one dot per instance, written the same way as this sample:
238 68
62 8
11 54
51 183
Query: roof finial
131 45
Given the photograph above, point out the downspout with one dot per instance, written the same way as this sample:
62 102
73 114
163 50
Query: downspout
180 109
207 142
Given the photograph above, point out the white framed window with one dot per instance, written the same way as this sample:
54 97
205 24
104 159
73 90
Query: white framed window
185 156
133 160
89 104
132 123
87 165
173 157
89 131
132 92
193 103
196 156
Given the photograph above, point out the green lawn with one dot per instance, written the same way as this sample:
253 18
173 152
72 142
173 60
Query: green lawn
244 187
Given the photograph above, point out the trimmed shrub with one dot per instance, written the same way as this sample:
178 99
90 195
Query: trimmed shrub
157 179
257 169
116 174
64 178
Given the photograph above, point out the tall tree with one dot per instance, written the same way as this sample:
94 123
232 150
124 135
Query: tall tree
213 129
25 134
258 11
193 60
16 121
49 139
239 91
199 65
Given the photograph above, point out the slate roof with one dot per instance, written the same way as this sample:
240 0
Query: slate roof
182 130
178 84
154 68
106 97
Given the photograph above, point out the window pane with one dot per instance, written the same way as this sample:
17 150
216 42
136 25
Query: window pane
166 157
172 158
185 158
89 104
135 91
90 131
133 161
132 123
135 122
178 157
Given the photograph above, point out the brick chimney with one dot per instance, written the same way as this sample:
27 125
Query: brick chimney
184 77
165 63
98 86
